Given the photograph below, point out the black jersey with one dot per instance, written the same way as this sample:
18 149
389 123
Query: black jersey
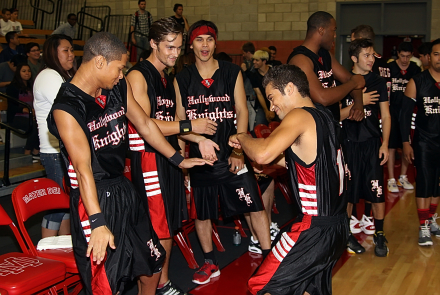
370 126
427 101
162 98
322 66
382 68
211 98
399 79
180 21
319 187
104 123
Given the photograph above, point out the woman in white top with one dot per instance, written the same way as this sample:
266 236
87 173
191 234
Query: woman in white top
59 62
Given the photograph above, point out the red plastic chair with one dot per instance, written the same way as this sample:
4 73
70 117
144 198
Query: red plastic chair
37 195
273 125
24 273
262 131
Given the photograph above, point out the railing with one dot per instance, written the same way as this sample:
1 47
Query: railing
91 20
41 9
118 25
8 130
130 43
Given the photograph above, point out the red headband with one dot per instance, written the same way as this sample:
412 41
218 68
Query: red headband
202 30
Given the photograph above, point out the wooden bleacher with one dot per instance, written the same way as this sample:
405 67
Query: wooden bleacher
27 22
39 41
37 32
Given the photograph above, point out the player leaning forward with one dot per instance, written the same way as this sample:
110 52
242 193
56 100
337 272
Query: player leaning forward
302 261
113 239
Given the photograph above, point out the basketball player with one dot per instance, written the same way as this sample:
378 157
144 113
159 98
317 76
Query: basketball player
401 71
322 69
154 91
302 260
366 146
89 116
214 89
423 91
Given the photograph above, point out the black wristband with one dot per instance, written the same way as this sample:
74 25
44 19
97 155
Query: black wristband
97 220
185 126
176 159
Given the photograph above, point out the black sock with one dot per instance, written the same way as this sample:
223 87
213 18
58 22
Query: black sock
367 211
210 256
378 223
265 252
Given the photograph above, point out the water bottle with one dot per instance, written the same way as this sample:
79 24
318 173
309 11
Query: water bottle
236 237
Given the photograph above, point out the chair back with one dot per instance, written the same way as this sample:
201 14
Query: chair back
273 125
262 131
6 220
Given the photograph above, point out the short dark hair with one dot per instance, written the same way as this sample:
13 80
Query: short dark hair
18 59
29 46
248 47
70 15
50 55
177 5
435 42
280 76
363 31
139 2
4 10
202 23
272 48
106 45
405 46
10 35
319 19
425 48
356 46
12 10
162 28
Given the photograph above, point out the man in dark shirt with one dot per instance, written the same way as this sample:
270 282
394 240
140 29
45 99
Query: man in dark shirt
13 47
273 54
179 18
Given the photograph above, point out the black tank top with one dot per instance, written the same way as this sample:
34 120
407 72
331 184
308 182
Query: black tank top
382 68
319 188
399 79
322 66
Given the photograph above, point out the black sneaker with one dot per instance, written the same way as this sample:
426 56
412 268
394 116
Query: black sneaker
381 249
254 247
170 289
353 245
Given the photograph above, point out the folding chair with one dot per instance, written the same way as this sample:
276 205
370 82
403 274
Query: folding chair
37 195
24 273
262 131
273 125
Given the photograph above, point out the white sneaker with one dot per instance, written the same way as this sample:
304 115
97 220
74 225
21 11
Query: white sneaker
392 186
354 225
367 225
274 230
403 182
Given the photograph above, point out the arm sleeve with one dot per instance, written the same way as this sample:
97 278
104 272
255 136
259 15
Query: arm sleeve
406 117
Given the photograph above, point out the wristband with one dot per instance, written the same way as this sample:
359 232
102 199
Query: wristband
185 126
176 159
237 154
97 220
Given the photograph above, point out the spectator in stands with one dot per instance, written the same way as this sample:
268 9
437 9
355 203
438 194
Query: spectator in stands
141 22
69 28
273 54
33 57
178 16
59 62
5 22
16 25
12 48
425 52
7 70
248 50
18 116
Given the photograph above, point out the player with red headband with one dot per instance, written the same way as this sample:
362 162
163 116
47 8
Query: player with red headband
214 89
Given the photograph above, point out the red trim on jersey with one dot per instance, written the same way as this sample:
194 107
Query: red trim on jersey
135 141
153 193
275 257
100 284
307 189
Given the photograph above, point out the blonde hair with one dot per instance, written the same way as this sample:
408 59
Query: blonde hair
261 54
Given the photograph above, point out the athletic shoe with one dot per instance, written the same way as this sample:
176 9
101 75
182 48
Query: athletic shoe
206 272
403 182
381 249
392 186
425 235
435 229
354 225
274 230
170 289
367 225
353 246
254 246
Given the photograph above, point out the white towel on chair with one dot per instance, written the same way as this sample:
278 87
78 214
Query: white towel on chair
58 242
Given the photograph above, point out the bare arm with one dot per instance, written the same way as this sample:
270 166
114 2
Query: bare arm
186 24
269 114
405 119
133 40
4 84
386 129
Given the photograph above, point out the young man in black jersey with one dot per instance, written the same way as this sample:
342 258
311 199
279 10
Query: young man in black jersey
302 260
424 54
154 91
322 68
112 236
214 89
401 71
178 16
423 91
365 152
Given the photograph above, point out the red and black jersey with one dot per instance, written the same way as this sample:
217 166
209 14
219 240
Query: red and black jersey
382 68
322 66
370 126
427 101
104 123
319 187
211 98
399 79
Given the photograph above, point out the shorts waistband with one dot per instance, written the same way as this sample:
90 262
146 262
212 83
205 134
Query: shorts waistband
105 183
325 220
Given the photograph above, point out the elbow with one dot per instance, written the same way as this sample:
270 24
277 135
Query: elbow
263 158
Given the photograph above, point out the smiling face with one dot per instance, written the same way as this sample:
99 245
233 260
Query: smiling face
364 63
204 47
258 63
279 103
168 51
34 53
65 54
